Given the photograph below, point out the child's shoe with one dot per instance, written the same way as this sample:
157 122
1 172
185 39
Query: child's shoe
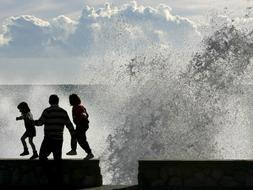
34 156
89 156
26 152
71 153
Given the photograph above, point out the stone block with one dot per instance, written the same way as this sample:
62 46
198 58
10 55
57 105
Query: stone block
203 182
217 174
249 180
35 173
202 174
229 182
175 181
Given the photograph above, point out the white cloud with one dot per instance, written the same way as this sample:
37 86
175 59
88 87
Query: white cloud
3 40
62 27
104 29
26 35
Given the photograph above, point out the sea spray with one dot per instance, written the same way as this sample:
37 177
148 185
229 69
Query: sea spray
184 115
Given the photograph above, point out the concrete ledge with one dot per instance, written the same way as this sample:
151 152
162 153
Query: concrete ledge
64 174
220 174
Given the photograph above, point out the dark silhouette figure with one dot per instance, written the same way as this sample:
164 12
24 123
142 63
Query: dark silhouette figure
80 118
30 132
54 118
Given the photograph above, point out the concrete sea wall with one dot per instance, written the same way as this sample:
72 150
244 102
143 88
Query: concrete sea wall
63 174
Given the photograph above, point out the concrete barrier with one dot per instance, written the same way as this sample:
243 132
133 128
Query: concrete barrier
222 174
65 174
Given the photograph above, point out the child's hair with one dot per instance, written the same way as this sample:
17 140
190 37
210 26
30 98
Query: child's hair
74 100
23 107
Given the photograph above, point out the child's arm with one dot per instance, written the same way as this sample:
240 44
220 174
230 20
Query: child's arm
19 118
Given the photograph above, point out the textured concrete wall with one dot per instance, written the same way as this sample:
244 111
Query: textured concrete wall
233 174
63 174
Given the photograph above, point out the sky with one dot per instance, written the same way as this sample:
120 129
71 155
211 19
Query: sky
54 41
53 8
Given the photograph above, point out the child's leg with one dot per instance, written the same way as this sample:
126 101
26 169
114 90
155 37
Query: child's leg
32 144
24 136
35 154
73 143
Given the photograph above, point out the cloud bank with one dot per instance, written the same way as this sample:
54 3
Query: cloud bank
128 27
62 50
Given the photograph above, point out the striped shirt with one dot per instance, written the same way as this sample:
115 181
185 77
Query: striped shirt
54 118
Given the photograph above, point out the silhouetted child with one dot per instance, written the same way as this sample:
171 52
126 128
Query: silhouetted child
80 118
30 129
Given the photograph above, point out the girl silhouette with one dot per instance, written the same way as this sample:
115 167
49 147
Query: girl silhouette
30 132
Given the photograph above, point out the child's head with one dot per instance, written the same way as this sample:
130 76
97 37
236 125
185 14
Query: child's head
23 107
74 100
